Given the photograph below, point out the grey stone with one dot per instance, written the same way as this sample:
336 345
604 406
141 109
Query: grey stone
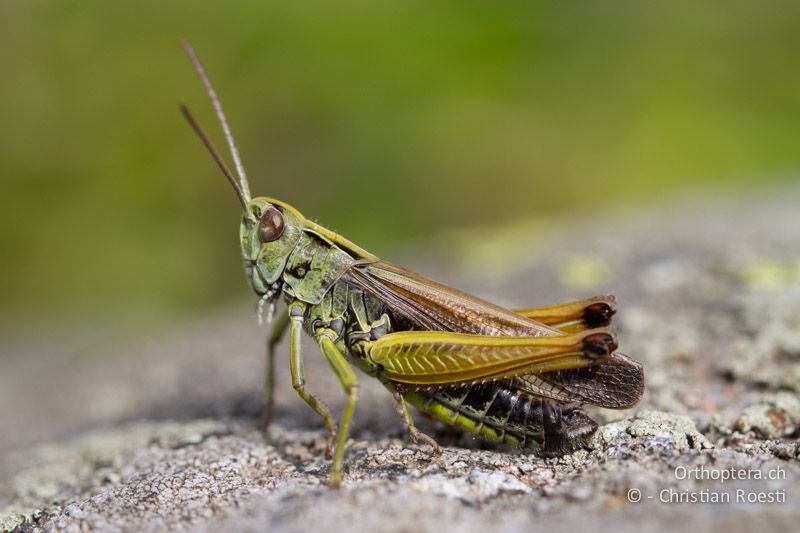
159 433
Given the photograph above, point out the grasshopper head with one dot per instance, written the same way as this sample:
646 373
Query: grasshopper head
268 233
270 229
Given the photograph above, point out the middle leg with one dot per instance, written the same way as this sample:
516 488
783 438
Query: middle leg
349 381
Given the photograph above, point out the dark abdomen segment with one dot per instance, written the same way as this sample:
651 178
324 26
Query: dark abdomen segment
500 412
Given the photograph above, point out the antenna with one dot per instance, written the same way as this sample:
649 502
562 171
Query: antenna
214 153
244 187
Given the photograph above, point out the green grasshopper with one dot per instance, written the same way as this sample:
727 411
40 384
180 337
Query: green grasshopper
509 376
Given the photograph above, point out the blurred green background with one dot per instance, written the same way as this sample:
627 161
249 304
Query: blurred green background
390 122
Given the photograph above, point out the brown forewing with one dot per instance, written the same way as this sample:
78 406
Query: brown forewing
615 382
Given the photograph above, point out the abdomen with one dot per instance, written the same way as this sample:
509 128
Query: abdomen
497 411
500 412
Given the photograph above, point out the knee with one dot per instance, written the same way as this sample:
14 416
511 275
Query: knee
352 390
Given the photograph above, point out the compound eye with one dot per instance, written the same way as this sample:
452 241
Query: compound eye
271 225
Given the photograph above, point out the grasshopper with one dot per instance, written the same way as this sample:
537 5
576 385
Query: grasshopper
518 377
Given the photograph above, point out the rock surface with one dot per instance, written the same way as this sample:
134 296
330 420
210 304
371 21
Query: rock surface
160 434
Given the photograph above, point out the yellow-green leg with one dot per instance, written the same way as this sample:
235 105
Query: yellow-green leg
349 383
298 377
274 337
